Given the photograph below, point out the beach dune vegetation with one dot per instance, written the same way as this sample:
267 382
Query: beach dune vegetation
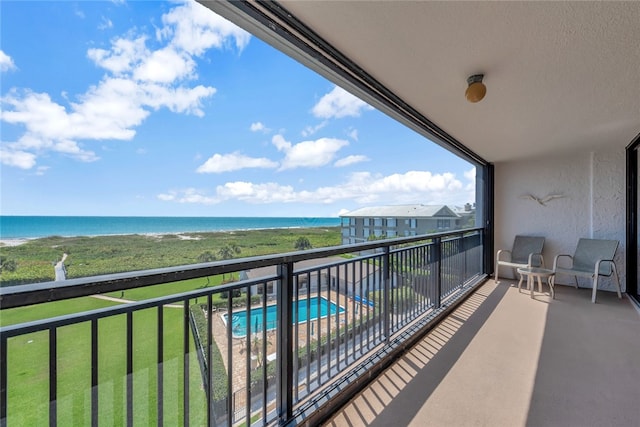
97 255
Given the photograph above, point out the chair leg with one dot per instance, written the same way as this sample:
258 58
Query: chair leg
595 288
520 282
496 278
575 279
615 275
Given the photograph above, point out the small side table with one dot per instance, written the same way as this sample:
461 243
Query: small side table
533 273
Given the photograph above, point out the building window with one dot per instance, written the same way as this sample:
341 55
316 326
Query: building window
414 223
366 222
391 222
377 222
443 224
391 233
365 232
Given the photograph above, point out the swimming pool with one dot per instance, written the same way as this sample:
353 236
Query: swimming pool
319 308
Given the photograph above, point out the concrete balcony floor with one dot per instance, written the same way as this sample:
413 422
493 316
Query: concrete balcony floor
504 359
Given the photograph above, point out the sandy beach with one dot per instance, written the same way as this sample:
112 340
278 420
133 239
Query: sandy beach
12 242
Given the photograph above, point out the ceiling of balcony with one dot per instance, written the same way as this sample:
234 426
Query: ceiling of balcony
560 76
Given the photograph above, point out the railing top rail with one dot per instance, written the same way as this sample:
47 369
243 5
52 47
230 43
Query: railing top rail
23 295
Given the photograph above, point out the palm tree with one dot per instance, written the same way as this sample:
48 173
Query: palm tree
227 252
206 257
302 244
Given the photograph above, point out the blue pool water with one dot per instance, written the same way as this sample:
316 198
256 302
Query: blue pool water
319 308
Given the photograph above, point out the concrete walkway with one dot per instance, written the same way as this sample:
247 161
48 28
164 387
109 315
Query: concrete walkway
126 301
61 272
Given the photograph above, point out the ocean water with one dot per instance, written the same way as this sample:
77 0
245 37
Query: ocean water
27 227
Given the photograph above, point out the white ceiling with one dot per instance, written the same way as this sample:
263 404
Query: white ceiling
560 76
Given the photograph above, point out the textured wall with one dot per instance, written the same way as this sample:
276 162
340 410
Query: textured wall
593 184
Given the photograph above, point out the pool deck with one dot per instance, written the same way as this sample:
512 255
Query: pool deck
238 350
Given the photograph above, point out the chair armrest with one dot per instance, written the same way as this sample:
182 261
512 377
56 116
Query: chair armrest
555 260
537 254
598 262
503 251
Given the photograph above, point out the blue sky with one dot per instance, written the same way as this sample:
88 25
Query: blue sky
166 109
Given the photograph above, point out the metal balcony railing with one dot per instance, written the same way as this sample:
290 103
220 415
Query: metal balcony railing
256 351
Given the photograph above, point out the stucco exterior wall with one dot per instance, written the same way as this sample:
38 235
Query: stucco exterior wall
593 206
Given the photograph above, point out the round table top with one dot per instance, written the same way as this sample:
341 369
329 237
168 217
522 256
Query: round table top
537 271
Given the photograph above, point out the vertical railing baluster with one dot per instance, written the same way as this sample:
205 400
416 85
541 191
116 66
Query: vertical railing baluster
366 293
284 397
53 377
185 358
360 312
308 325
438 260
341 269
3 382
94 373
318 331
230 362
386 295
248 359
210 378
160 358
265 328
129 393
351 325
295 314
328 332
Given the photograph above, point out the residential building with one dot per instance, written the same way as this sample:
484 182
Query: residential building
369 223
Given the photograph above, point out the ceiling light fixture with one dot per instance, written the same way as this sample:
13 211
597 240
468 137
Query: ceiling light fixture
476 90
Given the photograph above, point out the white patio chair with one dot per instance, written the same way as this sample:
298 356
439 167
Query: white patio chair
592 258
525 252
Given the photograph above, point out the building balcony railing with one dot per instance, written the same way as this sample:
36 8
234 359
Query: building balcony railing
230 354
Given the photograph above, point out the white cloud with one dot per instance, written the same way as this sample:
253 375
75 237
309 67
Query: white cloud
219 163
259 127
353 134
256 193
122 56
471 177
41 170
308 153
105 23
339 103
363 188
6 62
165 66
193 28
190 195
137 81
350 160
17 158
310 130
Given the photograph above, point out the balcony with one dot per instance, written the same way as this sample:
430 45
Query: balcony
504 359
440 344
227 355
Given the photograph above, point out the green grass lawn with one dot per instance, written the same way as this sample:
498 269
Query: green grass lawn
28 377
